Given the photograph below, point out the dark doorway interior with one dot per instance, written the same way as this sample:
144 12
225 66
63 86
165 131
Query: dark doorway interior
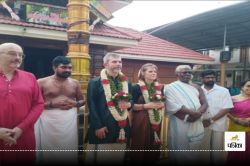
38 61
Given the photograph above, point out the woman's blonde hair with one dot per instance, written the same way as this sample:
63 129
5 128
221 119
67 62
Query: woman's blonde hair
144 68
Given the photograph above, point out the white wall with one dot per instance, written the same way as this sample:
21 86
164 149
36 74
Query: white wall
216 55
235 55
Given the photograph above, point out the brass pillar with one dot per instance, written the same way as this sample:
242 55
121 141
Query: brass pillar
78 43
78 40
163 137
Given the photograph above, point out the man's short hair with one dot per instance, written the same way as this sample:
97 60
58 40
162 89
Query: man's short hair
207 72
8 47
181 68
109 56
60 60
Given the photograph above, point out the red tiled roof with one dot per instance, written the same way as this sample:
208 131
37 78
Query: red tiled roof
153 46
106 30
148 45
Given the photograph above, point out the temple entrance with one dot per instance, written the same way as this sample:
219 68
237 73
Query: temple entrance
38 60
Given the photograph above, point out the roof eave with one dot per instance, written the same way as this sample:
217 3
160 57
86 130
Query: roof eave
111 41
15 30
166 59
39 33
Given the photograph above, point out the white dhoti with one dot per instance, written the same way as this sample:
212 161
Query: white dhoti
57 136
183 137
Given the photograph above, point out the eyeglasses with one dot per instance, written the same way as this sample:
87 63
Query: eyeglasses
14 53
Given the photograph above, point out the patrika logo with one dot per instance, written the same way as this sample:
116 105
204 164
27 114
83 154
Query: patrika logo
235 138
235 141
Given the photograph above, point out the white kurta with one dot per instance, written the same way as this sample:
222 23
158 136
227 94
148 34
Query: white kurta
218 98
57 130
182 135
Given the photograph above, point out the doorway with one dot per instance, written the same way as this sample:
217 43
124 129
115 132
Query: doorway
39 61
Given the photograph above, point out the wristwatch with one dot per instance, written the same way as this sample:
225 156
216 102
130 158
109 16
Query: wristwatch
211 121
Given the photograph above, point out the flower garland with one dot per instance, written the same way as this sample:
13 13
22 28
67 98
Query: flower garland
119 115
155 115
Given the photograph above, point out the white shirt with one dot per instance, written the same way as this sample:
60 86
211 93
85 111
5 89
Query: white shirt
218 98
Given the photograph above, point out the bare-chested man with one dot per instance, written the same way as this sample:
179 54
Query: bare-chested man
57 127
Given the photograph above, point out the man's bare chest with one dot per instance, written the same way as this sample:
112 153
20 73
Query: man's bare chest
55 89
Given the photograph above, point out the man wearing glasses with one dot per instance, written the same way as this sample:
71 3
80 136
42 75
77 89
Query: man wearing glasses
185 103
56 129
21 104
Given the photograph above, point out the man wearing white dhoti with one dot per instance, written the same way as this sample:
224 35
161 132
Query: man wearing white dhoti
185 103
56 129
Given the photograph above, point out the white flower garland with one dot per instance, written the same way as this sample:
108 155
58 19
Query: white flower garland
108 95
146 99
152 120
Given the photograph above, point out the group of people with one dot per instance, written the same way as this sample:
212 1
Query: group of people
124 118
132 122
198 118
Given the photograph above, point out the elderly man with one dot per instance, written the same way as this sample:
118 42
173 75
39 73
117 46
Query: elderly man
185 103
21 105
56 129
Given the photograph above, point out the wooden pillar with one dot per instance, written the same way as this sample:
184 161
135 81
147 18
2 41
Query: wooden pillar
223 63
78 43
222 74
